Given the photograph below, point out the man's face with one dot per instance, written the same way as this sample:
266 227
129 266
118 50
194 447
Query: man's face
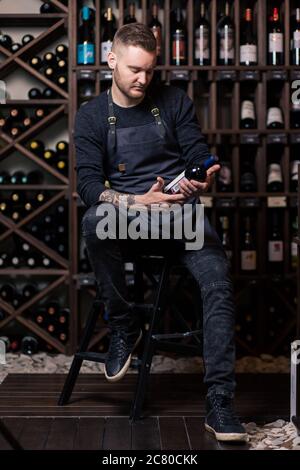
133 70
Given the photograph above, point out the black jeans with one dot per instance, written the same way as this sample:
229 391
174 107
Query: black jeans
209 266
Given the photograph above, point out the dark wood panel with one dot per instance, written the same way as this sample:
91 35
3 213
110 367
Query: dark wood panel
14 426
35 433
173 434
62 434
90 432
199 439
145 435
117 434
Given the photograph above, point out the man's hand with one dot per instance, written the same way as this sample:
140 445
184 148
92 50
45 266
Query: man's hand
155 195
195 188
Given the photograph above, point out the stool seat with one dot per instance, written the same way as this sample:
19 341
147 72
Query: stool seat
153 340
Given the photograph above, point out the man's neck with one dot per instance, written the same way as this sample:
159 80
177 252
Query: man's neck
122 100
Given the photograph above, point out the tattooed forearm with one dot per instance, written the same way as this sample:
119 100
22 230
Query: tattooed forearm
116 198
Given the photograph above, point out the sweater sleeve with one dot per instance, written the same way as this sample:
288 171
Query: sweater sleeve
89 159
190 139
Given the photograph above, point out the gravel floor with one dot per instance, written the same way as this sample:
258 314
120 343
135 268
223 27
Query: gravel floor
279 435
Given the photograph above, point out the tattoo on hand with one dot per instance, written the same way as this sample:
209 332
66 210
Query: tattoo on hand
109 195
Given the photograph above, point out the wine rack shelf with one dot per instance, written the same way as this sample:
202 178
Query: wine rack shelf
217 92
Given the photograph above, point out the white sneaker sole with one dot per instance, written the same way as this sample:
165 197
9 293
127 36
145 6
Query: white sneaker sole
229 436
120 375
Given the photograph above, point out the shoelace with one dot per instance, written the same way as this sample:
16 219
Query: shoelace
224 409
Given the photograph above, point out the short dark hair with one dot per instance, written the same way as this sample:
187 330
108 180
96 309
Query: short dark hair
135 34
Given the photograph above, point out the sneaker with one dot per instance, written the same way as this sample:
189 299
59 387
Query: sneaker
221 419
118 357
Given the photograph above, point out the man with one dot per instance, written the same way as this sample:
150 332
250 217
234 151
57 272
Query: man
140 141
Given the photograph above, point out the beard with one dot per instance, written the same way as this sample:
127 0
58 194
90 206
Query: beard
128 91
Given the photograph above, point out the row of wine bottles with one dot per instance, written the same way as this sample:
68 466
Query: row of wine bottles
248 242
21 203
248 178
57 158
27 345
10 293
226 52
19 177
274 120
7 42
53 66
16 120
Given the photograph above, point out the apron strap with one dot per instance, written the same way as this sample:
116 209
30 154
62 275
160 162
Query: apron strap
112 119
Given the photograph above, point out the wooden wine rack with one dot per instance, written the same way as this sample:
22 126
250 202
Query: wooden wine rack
221 89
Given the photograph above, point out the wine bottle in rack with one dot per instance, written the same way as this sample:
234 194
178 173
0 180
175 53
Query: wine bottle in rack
34 94
295 115
248 251
274 176
47 7
225 237
4 177
5 41
50 73
35 177
7 292
248 117
52 308
226 37
37 147
156 28
275 243
18 177
29 291
27 39
275 39
275 118
49 60
294 246
295 41
107 36
29 345
248 175
62 66
202 39
248 46
62 81
61 51
36 62
295 162
130 18
4 260
178 38
49 94
15 47
86 41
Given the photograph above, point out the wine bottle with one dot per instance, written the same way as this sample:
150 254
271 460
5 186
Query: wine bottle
275 39
7 292
226 37
274 178
5 41
178 38
62 147
49 60
52 308
40 113
49 156
294 246
29 291
62 66
36 63
295 43
86 41
4 260
107 36
130 18
16 131
86 82
47 7
248 175
34 94
295 162
18 177
27 123
49 94
62 165
4 177
202 39
33 260
248 252
275 243
27 39
50 72
62 81
29 345
195 171
156 28
17 113
275 118
15 47
248 47
35 177
248 119
295 115
37 147
62 51
224 178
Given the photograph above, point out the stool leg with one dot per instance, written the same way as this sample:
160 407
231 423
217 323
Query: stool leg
77 361
149 346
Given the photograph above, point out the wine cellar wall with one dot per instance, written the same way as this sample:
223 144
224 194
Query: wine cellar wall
239 61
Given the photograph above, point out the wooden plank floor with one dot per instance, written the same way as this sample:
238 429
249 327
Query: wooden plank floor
97 415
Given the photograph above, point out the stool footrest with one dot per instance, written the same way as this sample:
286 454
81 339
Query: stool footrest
91 356
177 335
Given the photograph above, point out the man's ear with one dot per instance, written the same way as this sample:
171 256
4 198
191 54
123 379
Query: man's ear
111 60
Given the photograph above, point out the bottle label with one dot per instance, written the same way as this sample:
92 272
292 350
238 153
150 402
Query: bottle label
248 53
202 43
294 170
275 42
296 37
227 43
275 251
179 49
247 110
274 115
274 173
156 30
86 53
294 252
248 260
105 49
